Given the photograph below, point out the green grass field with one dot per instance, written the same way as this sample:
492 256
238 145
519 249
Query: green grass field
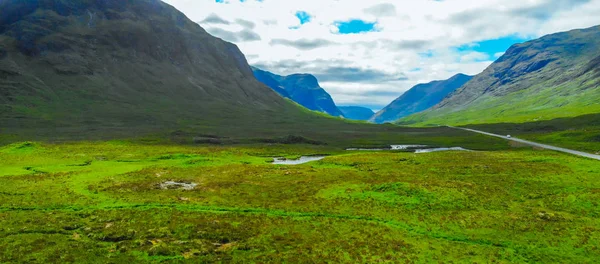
100 202
580 133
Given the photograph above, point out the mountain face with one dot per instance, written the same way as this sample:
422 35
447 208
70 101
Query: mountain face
271 80
303 89
104 64
356 112
420 98
557 75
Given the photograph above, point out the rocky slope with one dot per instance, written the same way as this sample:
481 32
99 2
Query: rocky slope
303 89
101 66
557 75
420 98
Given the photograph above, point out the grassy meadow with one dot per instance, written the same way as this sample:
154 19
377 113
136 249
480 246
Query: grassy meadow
580 133
102 202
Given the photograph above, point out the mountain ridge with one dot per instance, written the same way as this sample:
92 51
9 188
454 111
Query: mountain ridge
550 77
302 88
420 98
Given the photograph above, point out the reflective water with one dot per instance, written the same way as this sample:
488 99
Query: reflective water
301 160
392 147
440 149
366 149
403 147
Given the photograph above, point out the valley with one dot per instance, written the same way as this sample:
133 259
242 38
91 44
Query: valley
87 202
131 134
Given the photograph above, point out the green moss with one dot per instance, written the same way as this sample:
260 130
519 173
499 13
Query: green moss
506 206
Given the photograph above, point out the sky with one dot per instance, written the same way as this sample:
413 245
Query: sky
368 52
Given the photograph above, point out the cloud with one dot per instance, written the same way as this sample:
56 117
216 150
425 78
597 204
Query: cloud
382 10
421 40
240 36
355 74
214 19
245 23
544 10
498 54
331 71
303 44
404 44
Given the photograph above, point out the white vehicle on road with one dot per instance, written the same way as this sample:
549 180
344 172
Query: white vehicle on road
508 136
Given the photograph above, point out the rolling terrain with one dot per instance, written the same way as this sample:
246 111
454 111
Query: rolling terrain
106 202
130 135
555 76
581 133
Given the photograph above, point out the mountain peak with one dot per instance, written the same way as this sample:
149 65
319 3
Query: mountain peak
305 78
303 88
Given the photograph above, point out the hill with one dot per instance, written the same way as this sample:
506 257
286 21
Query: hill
303 89
420 98
555 76
356 112
104 68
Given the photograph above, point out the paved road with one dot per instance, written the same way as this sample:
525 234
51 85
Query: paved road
570 151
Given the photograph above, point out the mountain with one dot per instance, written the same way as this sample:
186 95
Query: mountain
71 68
555 76
356 112
420 98
271 80
303 89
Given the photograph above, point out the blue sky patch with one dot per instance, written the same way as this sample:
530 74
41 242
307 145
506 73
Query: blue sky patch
303 17
355 26
492 46
426 54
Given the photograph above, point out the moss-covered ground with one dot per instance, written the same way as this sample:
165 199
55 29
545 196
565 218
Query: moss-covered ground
101 202
580 133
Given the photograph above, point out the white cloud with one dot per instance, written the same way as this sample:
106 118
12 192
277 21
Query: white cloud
415 38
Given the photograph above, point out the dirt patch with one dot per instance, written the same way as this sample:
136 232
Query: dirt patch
173 185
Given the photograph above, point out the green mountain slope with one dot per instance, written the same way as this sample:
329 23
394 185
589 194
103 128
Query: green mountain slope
555 76
72 68
420 98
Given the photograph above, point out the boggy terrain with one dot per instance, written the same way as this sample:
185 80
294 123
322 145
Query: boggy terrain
121 201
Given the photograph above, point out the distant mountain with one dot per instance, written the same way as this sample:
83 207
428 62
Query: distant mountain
303 89
356 112
420 98
557 75
73 68
271 80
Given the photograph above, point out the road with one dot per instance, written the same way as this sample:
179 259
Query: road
531 143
